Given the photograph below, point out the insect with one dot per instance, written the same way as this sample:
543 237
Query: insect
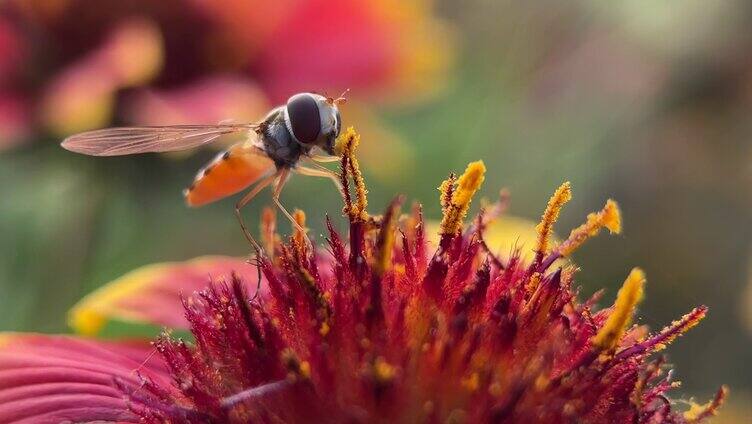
274 148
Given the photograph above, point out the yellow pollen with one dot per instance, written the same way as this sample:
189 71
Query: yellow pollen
346 142
495 389
608 217
383 371
534 282
296 367
471 382
618 321
698 413
541 383
305 370
446 188
612 217
455 209
545 228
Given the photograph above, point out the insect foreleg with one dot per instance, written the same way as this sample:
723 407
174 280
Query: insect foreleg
320 171
282 178
324 158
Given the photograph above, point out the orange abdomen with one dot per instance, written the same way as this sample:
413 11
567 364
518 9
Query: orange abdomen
229 173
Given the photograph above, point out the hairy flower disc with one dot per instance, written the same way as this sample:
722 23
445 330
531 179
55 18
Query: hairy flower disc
381 326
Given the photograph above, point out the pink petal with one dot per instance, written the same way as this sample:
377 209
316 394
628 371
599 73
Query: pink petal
152 294
53 379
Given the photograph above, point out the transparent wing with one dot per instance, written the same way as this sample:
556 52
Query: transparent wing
130 140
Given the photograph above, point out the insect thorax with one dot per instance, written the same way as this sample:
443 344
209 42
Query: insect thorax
278 142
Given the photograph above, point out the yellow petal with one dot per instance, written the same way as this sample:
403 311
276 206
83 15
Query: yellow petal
151 294
503 236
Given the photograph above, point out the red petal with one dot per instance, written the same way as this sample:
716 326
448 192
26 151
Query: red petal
53 379
151 294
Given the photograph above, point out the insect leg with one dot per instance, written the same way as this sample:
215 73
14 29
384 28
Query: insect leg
324 158
322 172
282 178
262 184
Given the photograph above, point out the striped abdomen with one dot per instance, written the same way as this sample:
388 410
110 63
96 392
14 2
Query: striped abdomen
230 172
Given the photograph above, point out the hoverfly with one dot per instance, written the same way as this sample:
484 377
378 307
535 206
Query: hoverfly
273 149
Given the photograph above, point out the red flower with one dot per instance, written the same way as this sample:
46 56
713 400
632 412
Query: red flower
381 328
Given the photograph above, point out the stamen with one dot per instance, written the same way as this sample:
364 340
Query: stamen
667 335
385 242
545 228
698 413
618 321
533 284
677 328
447 191
299 237
456 197
268 229
347 141
609 217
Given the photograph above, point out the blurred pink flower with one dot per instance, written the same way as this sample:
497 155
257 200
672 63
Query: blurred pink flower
213 98
11 49
82 95
73 65
14 119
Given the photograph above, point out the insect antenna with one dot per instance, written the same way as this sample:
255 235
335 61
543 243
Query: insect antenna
341 99
254 393
338 100
143 364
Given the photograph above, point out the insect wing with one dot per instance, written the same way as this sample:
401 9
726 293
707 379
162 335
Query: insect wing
131 140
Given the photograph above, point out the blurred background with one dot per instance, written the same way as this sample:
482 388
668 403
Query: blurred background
646 102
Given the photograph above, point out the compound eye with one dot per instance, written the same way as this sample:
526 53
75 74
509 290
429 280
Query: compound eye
305 121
